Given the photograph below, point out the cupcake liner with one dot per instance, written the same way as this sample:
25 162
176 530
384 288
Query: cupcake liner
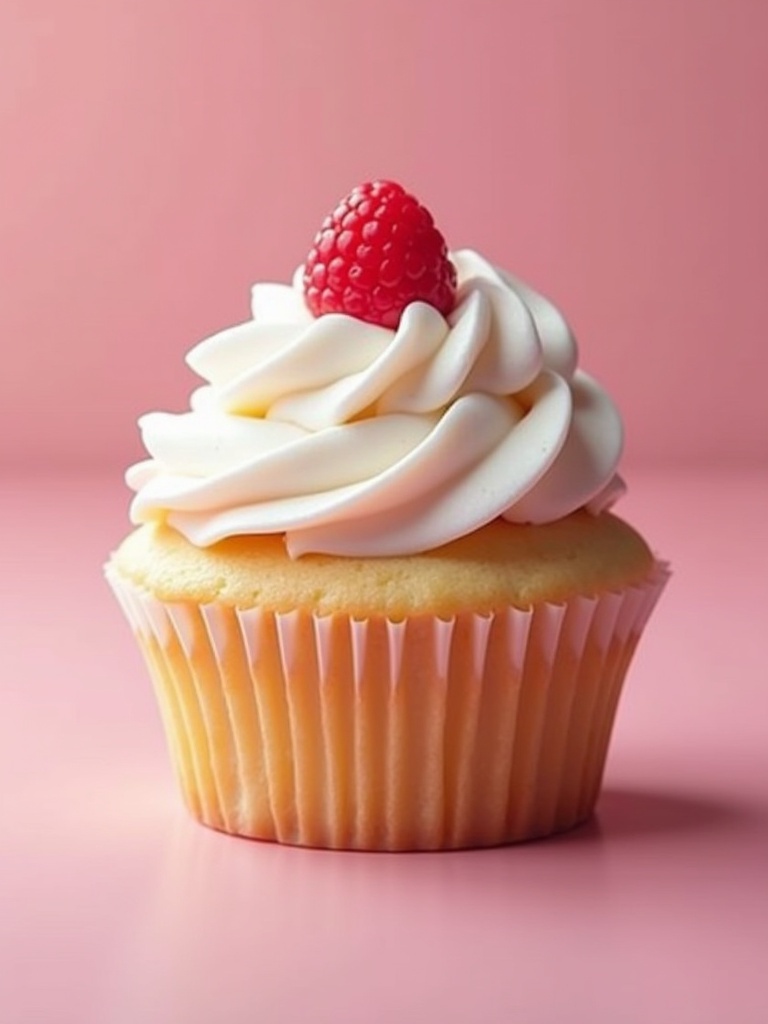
426 733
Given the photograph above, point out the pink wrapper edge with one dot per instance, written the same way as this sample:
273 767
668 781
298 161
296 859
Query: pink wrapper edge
427 733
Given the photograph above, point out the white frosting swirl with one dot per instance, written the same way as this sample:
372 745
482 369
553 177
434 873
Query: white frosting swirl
354 439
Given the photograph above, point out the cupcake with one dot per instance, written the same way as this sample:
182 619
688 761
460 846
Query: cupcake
374 574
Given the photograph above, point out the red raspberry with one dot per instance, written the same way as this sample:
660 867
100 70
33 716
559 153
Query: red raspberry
378 251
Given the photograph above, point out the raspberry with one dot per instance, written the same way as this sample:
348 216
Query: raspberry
378 251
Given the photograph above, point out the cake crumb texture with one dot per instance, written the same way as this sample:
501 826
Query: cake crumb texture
498 565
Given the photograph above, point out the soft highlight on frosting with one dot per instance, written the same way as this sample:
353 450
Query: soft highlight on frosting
353 439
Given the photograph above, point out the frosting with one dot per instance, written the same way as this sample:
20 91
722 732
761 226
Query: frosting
354 439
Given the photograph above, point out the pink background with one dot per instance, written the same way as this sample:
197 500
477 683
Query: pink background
158 156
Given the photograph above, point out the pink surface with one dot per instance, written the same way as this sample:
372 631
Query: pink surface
117 908
159 156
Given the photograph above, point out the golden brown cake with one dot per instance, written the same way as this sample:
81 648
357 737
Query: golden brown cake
497 565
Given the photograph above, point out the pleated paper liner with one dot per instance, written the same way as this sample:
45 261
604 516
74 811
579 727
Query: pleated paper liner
378 735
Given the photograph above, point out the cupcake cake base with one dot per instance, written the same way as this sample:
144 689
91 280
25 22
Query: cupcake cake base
406 730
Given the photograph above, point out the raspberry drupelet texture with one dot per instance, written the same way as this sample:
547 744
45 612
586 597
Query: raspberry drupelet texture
378 251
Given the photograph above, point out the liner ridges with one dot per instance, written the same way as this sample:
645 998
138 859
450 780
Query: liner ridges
375 734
